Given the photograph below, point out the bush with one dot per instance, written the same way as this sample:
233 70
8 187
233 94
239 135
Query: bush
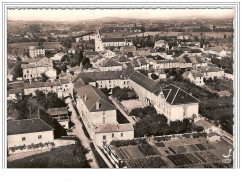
119 143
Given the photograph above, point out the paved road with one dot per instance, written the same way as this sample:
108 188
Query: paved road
78 131
122 111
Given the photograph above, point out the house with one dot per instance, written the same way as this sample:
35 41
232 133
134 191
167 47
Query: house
45 87
57 57
15 94
100 116
195 77
75 70
108 54
61 115
175 103
35 51
29 131
211 72
91 54
106 79
195 52
38 128
217 51
127 49
183 36
171 100
102 43
33 69
160 43
110 65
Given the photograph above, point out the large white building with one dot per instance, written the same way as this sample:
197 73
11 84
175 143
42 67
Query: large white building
171 100
100 116
102 43
36 51
178 106
33 69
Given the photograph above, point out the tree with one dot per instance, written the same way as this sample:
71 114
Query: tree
63 67
154 76
176 126
44 78
17 71
86 63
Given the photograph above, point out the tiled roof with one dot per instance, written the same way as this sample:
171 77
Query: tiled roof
27 126
41 84
37 122
111 63
175 95
145 82
103 75
93 96
195 51
79 84
113 40
38 62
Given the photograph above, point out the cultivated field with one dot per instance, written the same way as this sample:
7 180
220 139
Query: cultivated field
182 153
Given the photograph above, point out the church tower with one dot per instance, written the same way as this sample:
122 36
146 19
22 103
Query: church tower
98 41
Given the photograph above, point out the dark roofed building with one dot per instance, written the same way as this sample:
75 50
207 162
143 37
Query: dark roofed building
145 82
105 40
91 96
175 96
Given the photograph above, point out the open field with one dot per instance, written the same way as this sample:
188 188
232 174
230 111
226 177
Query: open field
182 153
131 104
194 34
19 47
71 156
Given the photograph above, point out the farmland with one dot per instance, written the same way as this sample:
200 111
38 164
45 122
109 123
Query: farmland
181 153
21 47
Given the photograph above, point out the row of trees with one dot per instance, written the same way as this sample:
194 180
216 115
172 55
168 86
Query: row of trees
124 93
151 123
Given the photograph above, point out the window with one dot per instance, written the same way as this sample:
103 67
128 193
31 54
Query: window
23 138
27 71
112 134
121 134
39 136
104 137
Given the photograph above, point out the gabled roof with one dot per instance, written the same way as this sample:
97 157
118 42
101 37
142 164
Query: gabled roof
41 84
111 63
94 95
175 95
27 126
103 75
113 40
38 122
145 82
79 83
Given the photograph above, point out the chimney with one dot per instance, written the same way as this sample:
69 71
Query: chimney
85 97
97 105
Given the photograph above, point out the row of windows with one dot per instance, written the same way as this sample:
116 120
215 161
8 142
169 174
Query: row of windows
39 137
105 137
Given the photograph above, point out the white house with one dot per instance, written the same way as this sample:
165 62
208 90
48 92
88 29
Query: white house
35 51
194 76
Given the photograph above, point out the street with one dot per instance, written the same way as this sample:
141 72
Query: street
78 132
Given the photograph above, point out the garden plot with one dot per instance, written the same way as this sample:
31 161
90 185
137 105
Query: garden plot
131 104
129 152
148 162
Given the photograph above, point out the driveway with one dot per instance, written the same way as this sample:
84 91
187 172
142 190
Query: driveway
78 132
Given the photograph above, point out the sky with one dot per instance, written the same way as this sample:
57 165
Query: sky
87 14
